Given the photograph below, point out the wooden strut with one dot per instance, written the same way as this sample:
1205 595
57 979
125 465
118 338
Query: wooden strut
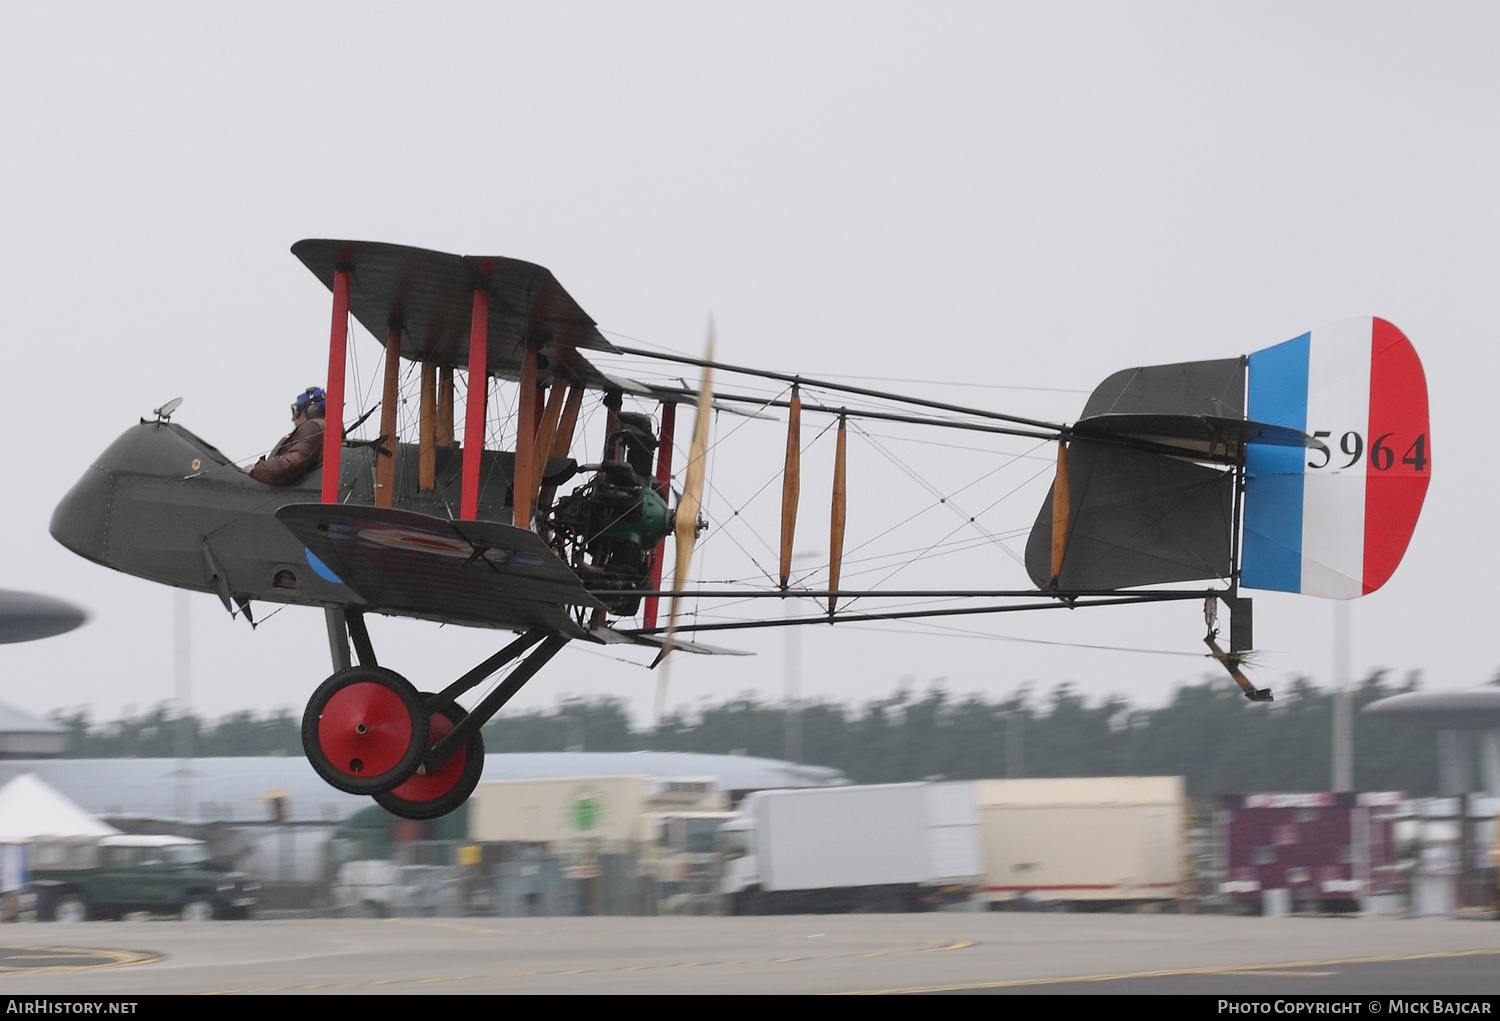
563 441
522 486
546 437
840 505
612 402
385 464
663 486
791 483
445 407
427 431
474 405
1061 508
333 413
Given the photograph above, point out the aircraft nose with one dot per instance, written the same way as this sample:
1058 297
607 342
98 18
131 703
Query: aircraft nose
81 520
25 616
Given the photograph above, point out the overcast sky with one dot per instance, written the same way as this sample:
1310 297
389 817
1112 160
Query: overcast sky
990 194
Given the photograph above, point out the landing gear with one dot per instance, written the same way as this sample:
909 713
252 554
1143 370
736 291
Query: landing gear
428 795
365 730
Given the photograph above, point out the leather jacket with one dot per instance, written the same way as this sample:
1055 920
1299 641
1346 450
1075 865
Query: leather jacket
297 454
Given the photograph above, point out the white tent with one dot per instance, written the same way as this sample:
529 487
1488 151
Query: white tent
32 812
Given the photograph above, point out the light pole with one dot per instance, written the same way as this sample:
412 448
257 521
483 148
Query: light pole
1015 747
1343 702
182 669
792 730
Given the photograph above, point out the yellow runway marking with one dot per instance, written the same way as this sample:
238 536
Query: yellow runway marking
1282 974
1246 969
96 957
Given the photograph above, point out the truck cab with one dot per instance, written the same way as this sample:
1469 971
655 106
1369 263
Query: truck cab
736 845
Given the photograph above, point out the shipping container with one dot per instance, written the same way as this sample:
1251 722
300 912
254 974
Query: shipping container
1330 852
1085 841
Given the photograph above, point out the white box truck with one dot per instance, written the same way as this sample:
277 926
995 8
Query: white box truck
896 847
1106 840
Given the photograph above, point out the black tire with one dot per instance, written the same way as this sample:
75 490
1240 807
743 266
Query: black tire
445 802
399 718
197 909
70 908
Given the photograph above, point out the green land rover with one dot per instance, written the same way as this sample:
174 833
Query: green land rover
158 875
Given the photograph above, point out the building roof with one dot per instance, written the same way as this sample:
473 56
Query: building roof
14 721
234 789
1474 709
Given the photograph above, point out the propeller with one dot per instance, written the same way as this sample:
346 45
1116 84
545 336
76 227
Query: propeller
686 524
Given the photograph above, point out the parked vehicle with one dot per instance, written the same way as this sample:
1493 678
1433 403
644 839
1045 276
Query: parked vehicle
684 861
1327 851
161 875
897 847
383 889
1084 842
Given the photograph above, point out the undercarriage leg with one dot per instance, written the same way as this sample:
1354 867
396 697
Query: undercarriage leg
345 623
338 637
495 700
356 621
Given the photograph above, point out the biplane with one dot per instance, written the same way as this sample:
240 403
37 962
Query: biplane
1299 468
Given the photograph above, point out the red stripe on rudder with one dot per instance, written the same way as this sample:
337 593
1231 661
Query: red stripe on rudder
1398 412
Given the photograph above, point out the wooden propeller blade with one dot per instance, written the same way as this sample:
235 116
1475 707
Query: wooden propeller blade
840 504
791 483
691 502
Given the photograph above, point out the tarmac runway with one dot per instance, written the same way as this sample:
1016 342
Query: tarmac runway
958 952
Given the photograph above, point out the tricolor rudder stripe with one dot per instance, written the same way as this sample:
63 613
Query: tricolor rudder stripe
1336 524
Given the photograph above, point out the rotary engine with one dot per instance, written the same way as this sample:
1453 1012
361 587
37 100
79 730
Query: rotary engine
609 528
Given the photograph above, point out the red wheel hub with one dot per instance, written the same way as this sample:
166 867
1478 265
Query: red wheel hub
431 786
365 729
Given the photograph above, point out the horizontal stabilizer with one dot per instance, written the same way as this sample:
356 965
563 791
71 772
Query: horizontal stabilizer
462 572
1206 435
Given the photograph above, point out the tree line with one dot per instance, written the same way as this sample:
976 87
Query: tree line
1207 733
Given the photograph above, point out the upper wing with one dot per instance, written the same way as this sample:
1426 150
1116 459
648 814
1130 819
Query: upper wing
460 572
428 296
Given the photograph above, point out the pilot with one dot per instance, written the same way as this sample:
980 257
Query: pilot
300 451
